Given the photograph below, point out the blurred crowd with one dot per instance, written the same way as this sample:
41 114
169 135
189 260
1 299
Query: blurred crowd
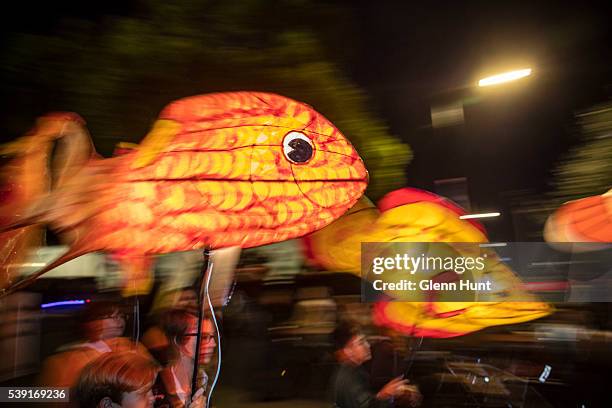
311 343
104 368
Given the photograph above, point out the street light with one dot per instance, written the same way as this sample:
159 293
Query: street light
504 77
451 111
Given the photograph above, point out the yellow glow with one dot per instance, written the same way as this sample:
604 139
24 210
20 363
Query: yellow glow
505 77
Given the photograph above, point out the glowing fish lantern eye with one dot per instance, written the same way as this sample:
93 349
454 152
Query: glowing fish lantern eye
297 148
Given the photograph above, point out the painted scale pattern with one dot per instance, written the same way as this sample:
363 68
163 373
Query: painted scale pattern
220 179
215 171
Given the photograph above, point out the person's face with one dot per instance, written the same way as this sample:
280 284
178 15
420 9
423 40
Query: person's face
142 398
207 341
358 349
107 327
113 325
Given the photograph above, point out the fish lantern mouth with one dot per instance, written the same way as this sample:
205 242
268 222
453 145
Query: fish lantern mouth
327 169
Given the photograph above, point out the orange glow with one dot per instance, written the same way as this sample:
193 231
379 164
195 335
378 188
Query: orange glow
229 169
585 220
411 215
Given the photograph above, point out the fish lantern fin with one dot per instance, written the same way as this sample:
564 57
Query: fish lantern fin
155 142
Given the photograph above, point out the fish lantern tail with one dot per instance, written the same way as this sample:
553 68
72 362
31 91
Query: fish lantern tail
26 177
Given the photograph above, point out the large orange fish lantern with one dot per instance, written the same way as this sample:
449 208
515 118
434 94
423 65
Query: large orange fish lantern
412 215
228 169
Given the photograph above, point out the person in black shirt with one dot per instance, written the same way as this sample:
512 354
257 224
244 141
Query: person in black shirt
351 385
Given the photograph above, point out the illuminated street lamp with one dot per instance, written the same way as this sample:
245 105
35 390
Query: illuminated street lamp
451 112
504 77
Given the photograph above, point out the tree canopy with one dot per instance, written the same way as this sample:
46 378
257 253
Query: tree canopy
587 168
118 71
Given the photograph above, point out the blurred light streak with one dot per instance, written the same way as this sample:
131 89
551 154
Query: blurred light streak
504 77
545 373
551 263
546 286
63 303
483 215
447 115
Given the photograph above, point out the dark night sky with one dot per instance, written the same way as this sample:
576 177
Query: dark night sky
412 55
406 55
